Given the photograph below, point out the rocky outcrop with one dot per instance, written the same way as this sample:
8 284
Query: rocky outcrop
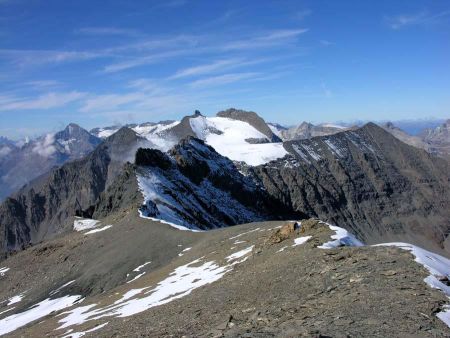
368 181
194 186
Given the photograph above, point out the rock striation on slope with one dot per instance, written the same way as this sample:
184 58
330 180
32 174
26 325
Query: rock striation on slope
367 181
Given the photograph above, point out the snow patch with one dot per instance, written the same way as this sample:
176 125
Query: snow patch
36 312
81 224
82 333
15 299
3 271
239 254
98 230
173 225
301 240
182 252
341 238
140 267
181 282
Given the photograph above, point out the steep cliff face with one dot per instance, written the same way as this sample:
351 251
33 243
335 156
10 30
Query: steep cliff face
368 181
45 207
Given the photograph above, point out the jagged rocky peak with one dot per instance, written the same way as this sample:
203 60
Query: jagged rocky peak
194 186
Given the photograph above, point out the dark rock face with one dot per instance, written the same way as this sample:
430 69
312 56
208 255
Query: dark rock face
45 207
203 189
366 180
251 118
39 156
152 157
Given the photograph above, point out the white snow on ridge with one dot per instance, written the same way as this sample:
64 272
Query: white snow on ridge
82 333
171 197
239 254
301 240
228 138
3 271
81 224
341 238
106 227
155 134
182 252
437 265
104 133
141 266
181 282
36 312
15 299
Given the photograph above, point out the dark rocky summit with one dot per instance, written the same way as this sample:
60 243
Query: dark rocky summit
201 188
367 181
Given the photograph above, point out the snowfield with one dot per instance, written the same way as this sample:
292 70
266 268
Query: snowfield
228 137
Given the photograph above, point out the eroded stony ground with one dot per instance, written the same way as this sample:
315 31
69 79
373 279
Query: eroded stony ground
279 290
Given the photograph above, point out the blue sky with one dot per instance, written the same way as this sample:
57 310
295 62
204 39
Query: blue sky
98 63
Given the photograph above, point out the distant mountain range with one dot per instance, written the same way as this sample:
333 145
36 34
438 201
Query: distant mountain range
130 221
21 162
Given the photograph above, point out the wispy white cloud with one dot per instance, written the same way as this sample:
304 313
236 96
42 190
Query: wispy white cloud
145 60
43 84
223 79
111 101
107 31
46 101
269 39
207 68
23 57
421 18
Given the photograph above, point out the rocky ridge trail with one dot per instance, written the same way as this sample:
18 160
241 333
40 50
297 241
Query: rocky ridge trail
259 280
